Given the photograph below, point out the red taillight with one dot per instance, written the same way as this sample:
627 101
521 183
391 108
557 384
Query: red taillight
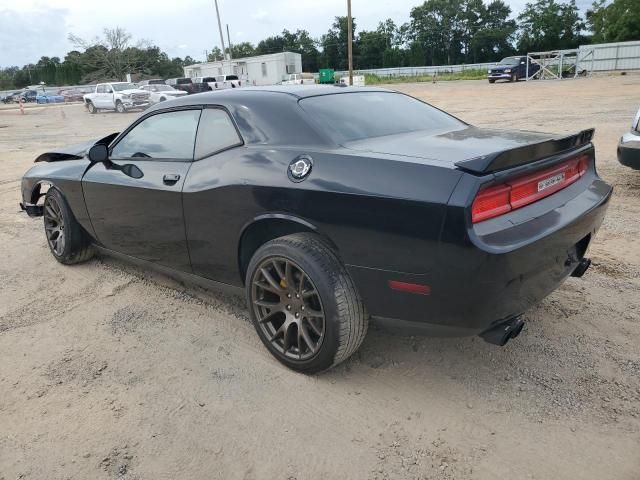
520 191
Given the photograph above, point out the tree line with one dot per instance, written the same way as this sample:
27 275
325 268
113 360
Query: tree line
439 32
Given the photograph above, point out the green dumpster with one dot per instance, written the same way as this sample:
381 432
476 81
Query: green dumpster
326 75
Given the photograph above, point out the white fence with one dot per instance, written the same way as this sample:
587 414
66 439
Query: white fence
602 57
415 71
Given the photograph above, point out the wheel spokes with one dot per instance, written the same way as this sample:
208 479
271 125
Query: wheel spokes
287 308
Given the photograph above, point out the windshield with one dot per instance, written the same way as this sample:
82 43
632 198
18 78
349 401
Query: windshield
358 115
510 61
232 77
118 87
182 81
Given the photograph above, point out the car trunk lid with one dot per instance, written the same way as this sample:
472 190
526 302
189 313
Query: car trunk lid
476 150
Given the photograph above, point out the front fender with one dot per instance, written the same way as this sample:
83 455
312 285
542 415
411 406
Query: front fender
66 176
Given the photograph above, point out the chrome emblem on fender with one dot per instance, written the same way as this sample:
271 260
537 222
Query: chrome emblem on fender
300 167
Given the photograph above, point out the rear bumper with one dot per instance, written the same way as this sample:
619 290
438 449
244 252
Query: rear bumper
495 275
629 150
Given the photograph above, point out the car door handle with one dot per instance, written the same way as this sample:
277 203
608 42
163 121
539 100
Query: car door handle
170 178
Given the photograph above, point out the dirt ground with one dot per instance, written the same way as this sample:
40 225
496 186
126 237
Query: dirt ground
110 372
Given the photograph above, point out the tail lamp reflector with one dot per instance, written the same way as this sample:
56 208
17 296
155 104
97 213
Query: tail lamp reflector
499 199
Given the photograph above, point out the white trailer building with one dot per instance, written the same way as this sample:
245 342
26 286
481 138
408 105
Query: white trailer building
262 70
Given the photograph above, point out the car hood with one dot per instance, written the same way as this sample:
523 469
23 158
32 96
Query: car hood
501 68
76 151
130 91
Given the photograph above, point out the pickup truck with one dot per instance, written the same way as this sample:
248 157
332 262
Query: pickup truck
188 85
118 96
299 79
512 69
220 82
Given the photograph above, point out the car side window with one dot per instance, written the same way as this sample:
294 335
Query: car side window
108 89
100 89
169 135
216 132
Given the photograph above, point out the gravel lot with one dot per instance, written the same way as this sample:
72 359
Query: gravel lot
107 371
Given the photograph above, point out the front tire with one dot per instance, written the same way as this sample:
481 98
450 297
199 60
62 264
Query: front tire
67 240
514 77
492 80
303 303
120 107
91 107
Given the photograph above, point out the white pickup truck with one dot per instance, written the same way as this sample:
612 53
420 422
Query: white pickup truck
220 82
299 79
118 96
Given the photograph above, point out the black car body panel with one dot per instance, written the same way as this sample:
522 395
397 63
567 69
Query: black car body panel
396 208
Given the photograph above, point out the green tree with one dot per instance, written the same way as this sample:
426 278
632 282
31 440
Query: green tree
549 25
494 40
334 45
617 22
242 50
438 26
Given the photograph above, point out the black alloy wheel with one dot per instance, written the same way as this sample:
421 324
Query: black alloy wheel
303 303
54 225
288 308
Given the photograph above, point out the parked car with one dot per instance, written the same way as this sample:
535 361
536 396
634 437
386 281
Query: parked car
512 69
72 95
153 81
299 79
187 85
629 146
118 96
48 97
220 82
160 93
11 97
27 96
329 215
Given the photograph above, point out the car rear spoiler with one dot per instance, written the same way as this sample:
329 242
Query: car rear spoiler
525 154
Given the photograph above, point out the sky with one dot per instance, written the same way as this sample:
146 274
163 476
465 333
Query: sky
31 29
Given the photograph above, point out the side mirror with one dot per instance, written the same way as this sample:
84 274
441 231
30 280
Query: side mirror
98 153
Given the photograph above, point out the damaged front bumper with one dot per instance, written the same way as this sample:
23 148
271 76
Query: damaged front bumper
32 209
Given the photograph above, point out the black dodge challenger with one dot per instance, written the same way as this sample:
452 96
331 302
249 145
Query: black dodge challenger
329 206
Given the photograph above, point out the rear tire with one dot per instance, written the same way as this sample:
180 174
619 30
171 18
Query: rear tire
68 242
303 303
120 107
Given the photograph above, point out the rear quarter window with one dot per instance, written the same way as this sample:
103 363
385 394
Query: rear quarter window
352 116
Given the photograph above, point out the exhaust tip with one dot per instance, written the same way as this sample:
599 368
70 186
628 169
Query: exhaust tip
582 267
502 333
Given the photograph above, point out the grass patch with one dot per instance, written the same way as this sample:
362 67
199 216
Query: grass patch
477 74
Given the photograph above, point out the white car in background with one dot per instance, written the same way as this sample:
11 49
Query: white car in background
299 79
160 93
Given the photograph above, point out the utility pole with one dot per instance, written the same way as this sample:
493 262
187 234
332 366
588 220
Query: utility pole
350 42
229 40
220 30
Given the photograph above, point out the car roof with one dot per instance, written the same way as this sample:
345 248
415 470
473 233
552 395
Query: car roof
298 91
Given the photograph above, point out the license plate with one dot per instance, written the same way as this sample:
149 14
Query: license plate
550 182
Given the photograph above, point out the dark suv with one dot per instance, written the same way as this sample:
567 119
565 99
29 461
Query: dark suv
187 85
512 69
